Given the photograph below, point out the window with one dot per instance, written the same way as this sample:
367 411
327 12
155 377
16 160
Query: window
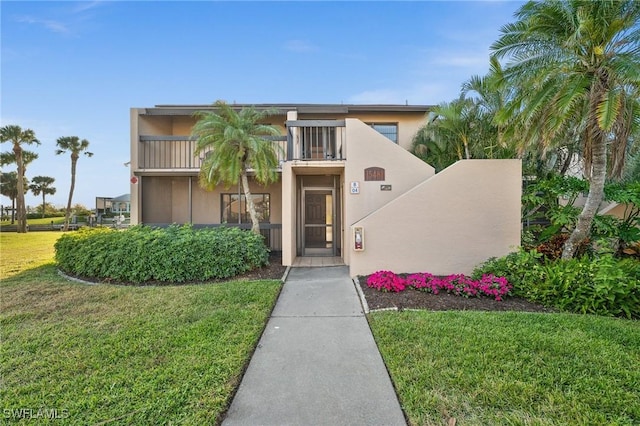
235 210
390 130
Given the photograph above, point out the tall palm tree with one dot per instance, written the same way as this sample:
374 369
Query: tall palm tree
576 64
75 146
489 97
234 142
9 188
42 185
19 137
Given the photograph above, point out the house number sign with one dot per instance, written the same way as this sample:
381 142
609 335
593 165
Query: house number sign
355 187
374 174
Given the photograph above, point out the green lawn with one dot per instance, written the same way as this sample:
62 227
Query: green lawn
121 355
38 221
20 252
489 368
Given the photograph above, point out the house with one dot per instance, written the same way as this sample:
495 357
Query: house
121 204
113 205
348 189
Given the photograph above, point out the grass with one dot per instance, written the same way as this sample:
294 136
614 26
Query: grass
121 355
512 368
38 221
20 252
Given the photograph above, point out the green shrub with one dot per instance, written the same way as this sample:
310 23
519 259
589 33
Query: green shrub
519 268
174 254
602 285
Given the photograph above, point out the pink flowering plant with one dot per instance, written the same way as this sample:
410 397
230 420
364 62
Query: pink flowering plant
457 284
386 281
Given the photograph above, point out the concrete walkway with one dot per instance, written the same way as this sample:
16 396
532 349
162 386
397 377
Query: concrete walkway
317 362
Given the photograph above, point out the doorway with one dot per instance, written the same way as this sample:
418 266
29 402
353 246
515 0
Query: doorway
319 221
318 238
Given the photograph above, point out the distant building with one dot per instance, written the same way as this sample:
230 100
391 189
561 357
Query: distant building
121 204
113 205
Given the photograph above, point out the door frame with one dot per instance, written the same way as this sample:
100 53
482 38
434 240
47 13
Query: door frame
303 225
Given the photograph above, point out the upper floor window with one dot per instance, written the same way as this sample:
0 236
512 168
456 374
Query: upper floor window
390 130
235 209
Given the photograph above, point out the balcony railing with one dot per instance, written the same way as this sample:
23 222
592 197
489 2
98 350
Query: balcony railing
306 140
316 140
177 152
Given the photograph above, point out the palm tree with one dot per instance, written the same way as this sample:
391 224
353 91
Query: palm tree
576 64
433 147
42 185
18 137
75 146
9 188
489 97
234 142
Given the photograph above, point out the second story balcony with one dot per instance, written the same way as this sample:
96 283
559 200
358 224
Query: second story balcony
168 152
316 140
306 140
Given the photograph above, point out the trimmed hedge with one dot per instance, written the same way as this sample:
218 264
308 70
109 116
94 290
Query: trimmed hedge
602 285
172 255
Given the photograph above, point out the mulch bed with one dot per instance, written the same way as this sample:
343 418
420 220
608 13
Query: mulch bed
414 299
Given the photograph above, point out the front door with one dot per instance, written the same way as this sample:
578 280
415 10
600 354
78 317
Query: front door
319 223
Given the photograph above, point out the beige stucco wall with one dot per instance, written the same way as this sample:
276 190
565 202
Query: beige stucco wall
288 214
450 223
135 189
167 199
621 211
408 122
154 124
367 148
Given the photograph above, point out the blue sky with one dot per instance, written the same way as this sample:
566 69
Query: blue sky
76 68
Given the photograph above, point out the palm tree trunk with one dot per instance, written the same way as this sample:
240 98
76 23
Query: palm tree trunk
73 185
22 210
255 224
43 203
598 175
466 147
13 211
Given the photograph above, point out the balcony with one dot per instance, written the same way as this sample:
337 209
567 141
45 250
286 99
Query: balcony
316 140
177 152
306 140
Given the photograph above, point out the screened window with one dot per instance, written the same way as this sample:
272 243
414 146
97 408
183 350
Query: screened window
390 130
235 210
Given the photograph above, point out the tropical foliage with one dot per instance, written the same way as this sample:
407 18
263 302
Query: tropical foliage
9 188
601 285
74 146
233 142
18 138
42 185
575 69
465 128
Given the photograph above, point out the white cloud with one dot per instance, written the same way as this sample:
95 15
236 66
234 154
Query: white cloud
461 60
418 94
86 5
55 26
68 19
299 46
